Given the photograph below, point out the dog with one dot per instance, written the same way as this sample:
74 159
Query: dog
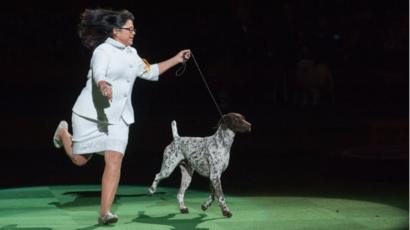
208 156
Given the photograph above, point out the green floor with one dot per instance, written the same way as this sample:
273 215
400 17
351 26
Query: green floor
75 207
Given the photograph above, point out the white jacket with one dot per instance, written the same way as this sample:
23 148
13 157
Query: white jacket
119 65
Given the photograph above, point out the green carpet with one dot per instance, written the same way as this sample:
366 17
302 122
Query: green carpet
76 207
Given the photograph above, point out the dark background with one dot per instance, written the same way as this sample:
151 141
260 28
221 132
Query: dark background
251 54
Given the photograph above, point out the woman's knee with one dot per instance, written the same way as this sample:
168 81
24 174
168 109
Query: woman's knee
113 158
80 160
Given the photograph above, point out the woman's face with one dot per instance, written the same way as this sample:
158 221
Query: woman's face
125 34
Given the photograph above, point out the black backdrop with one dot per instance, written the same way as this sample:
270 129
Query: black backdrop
250 54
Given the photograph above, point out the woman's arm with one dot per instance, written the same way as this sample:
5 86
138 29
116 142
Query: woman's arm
181 57
99 66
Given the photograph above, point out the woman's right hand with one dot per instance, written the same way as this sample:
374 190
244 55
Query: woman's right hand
105 89
183 56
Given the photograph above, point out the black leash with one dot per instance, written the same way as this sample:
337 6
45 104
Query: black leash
181 70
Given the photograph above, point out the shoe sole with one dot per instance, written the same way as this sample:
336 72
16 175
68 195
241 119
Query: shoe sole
109 221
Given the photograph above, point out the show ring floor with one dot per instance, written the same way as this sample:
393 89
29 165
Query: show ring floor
76 207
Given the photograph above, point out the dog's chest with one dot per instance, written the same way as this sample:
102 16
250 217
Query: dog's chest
206 154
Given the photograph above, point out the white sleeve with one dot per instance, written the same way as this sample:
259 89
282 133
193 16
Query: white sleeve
99 65
151 73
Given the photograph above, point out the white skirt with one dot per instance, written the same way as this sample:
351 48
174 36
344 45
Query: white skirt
91 136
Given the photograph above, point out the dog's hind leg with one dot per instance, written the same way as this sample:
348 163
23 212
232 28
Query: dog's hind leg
172 158
210 199
186 172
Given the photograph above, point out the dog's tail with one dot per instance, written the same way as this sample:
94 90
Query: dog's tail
174 129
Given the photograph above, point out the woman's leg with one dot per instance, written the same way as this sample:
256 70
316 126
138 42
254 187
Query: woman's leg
77 159
110 179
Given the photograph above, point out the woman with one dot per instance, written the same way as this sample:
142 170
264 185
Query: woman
103 111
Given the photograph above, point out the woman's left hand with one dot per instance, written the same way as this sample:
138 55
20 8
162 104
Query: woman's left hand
183 55
105 89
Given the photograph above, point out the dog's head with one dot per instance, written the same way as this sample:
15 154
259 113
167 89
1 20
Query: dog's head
235 122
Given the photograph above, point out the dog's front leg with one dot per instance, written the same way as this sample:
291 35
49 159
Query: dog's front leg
216 183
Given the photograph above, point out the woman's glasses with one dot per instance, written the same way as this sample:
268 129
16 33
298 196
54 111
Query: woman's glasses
129 29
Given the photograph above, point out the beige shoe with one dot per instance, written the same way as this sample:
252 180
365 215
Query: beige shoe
56 139
108 218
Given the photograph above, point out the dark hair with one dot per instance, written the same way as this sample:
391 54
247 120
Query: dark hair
96 25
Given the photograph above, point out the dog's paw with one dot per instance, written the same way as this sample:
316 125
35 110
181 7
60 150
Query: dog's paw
204 208
227 213
184 210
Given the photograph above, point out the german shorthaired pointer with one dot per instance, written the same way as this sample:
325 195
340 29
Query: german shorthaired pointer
209 156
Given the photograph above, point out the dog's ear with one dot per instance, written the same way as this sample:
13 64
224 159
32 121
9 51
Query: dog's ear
225 122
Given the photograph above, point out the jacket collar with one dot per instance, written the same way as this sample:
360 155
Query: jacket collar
115 43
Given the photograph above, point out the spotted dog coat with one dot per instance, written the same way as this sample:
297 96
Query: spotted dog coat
208 156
